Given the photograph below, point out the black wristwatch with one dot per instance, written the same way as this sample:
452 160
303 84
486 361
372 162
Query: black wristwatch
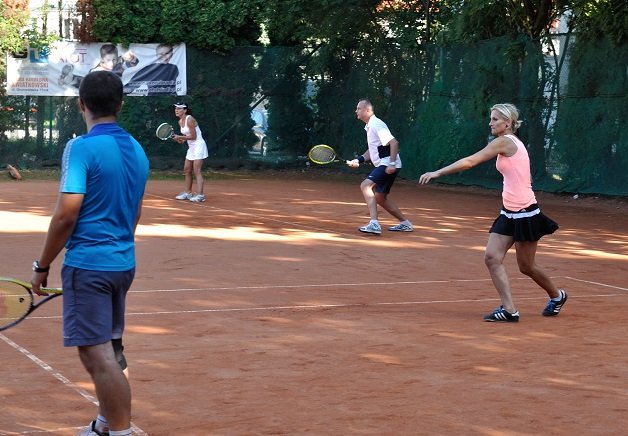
39 269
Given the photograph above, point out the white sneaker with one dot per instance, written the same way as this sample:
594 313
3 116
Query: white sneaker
197 198
184 196
401 228
371 227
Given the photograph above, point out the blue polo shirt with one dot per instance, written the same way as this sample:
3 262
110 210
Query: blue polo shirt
109 167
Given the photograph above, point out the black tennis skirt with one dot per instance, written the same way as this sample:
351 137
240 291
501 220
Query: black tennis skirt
528 224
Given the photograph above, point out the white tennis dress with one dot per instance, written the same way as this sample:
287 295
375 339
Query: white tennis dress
197 149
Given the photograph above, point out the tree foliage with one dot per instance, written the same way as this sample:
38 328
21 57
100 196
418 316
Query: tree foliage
212 24
485 19
208 24
602 18
13 17
119 21
432 67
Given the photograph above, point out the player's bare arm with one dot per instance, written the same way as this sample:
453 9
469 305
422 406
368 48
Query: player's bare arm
61 227
192 126
394 151
497 146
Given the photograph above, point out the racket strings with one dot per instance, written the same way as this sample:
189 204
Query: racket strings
15 301
322 154
164 131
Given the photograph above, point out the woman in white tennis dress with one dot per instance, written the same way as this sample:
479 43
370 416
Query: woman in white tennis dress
197 152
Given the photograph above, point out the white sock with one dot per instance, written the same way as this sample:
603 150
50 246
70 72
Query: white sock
406 222
126 432
374 222
102 425
560 295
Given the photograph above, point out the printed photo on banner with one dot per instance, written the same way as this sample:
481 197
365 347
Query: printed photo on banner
145 69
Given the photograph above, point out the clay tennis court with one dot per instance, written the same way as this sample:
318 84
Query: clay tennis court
264 311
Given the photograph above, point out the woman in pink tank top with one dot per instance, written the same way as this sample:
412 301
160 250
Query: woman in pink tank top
520 222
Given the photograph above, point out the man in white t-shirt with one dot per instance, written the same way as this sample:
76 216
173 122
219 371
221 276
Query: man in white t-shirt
383 152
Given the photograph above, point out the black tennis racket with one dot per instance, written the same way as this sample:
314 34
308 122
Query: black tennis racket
17 301
323 154
164 132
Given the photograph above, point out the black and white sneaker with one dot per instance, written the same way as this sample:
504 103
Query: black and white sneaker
501 315
553 307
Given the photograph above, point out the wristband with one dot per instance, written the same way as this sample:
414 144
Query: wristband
360 159
39 269
392 164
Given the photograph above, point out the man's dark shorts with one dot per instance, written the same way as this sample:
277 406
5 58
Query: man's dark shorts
93 305
383 181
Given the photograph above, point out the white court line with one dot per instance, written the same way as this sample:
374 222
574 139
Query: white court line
297 307
335 285
56 374
261 287
327 285
597 283
347 305
344 305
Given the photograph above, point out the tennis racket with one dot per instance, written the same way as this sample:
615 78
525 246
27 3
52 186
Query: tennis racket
164 132
17 301
323 154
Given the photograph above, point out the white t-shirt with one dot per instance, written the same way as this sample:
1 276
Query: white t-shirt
378 134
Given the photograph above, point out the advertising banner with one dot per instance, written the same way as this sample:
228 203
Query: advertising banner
145 69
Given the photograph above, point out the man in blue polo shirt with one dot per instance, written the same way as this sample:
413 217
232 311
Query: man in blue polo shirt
103 178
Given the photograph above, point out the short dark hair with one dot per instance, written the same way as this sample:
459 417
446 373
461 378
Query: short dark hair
101 92
368 102
106 49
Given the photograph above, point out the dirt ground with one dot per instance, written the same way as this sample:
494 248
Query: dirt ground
263 311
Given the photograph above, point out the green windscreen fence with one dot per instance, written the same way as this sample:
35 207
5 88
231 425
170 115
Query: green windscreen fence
264 107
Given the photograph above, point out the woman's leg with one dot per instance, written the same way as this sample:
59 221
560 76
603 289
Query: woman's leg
496 249
526 253
198 166
187 173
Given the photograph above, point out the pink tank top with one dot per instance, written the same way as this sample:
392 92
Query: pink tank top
517 193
